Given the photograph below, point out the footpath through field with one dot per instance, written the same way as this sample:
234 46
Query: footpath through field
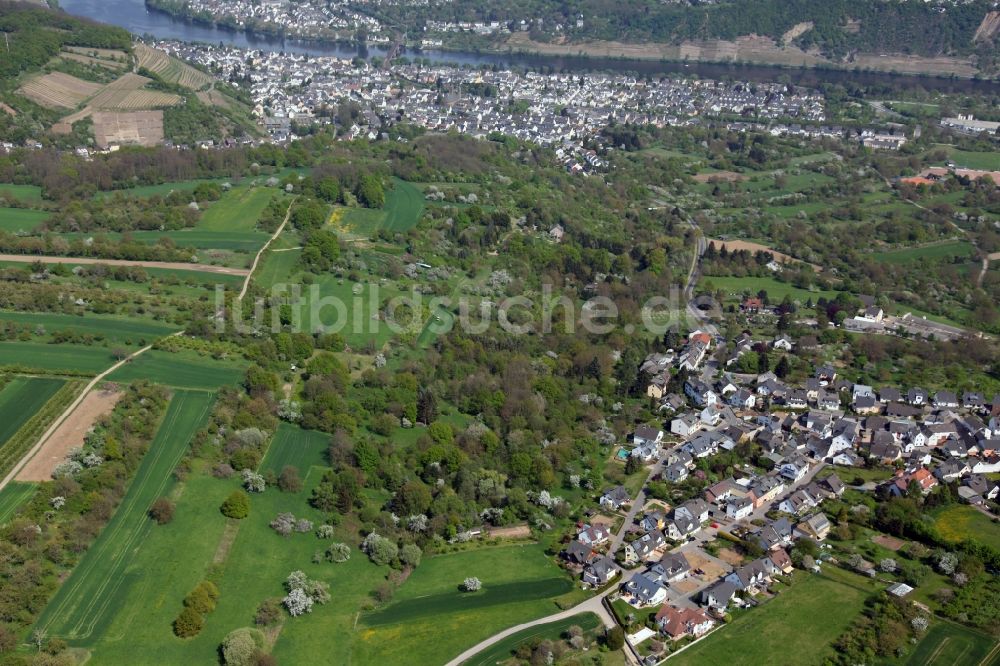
87 599
172 265
260 252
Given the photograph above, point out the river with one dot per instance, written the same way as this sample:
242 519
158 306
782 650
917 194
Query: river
134 16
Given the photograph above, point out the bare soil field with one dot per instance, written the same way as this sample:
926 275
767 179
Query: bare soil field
516 532
892 543
97 62
747 49
104 54
213 98
735 245
727 176
173 265
711 568
141 128
7 109
797 31
69 435
730 557
58 91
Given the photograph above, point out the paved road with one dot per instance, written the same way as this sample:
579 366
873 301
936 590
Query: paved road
640 501
593 605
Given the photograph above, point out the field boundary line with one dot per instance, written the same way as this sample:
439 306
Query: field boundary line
33 451
260 252
170 265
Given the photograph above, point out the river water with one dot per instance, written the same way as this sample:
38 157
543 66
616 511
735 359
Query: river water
134 16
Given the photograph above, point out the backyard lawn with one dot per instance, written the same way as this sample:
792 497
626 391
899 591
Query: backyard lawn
799 624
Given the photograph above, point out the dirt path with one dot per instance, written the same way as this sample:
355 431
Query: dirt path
174 265
260 253
69 411
69 435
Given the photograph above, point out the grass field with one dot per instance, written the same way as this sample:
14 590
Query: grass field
90 597
788 623
776 291
237 210
404 204
963 158
430 620
182 370
12 496
161 189
22 192
20 399
552 631
960 521
297 447
240 241
936 251
13 220
121 330
73 359
948 644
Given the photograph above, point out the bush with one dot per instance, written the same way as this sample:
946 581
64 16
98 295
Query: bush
288 480
338 552
472 584
162 511
241 647
615 639
268 612
237 505
189 623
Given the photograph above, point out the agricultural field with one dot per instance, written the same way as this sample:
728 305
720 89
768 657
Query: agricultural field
118 330
971 160
184 370
113 65
238 210
31 193
15 220
12 497
776 291
64 359
960 521
404 204
29 414
20 398
431 620
936 251
303 449
788 621
949 644
94 592
128 92
161 189
171 69
56 90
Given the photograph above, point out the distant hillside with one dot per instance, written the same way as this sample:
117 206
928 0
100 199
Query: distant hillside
71 81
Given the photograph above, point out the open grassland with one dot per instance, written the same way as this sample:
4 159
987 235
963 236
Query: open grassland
404 204
13 220
949 644
182 370
776 291
960 521
121 330
21 192
64 359
237 210
161 189
553 631
12 497
94 591
972 160
355 319
171 69
294 446
240 241
789 622
937 251
431 620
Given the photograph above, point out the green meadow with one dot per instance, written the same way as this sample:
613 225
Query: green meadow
20 398
937 251
13 496
181 369
299 448
949 644
237 210
70 359
121 330
13 220
102 582
22 192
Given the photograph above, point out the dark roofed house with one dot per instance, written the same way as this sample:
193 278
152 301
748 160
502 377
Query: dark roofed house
600 571
615 498
578 553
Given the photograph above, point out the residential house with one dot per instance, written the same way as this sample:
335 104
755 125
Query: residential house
815 527
578 553
600 571
594 536
675 566
917 397
695 509
796 503
748 576
794 470
615 498
719 596
647 435
945 399
684 425
739 508
678 623
645 591
700 392
675 473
